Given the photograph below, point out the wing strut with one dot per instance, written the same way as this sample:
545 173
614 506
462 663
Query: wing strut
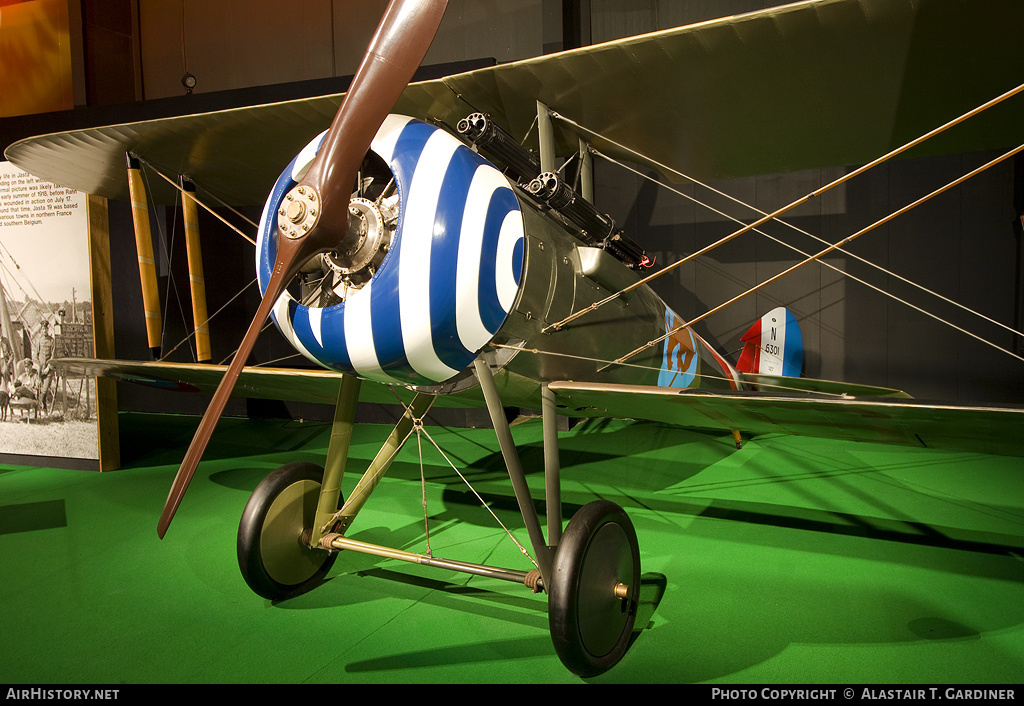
197 284
147 262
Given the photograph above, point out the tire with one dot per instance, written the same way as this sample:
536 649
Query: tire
273 559
590 626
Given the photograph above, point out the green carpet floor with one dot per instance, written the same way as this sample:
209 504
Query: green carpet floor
789 561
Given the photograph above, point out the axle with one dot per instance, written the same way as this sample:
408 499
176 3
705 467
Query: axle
339 542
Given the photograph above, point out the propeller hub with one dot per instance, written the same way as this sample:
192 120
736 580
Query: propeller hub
372 227
298 213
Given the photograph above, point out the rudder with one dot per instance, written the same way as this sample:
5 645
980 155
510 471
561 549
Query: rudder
773 346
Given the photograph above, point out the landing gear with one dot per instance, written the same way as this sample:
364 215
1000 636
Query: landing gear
591 571
592 600
274 560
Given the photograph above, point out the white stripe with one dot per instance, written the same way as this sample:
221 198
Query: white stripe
414 262
472 332
358 320
390 130
315 318
305 157
359 336
505 280
284 324
261 247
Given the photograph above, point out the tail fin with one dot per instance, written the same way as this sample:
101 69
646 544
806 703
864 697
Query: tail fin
773 346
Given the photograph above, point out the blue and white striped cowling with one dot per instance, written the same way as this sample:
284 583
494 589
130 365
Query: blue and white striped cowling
448 281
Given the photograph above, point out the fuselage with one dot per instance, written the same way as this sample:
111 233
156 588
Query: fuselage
461 261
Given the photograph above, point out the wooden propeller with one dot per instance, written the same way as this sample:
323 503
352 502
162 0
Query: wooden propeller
317 218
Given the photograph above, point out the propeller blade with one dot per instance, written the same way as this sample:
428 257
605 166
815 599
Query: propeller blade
395 52
317 218
277 284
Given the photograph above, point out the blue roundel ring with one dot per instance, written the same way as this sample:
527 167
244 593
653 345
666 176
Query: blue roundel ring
448 281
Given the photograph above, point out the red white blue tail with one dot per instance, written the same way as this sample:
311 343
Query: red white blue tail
773 346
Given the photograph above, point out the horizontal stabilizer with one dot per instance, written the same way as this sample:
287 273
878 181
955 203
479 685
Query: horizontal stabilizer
783 384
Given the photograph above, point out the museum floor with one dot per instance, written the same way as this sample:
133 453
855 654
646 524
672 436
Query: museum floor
790 561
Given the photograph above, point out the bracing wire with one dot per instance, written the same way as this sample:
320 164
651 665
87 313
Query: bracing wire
816 238
209 209
832 248
775 214
832 267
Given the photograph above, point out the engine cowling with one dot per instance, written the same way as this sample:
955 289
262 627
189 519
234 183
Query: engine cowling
448 280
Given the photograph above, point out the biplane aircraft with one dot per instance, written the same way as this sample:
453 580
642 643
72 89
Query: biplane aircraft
427 241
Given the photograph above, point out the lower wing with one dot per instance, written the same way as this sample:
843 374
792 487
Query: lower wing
830 410
981 429
290 384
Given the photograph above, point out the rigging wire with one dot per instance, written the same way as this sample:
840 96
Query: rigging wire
817 238
229 207
775 214
487 507
219 217
167 249
210 317
721 378
832 267
832 248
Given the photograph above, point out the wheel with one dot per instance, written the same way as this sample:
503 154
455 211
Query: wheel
274 560
592 600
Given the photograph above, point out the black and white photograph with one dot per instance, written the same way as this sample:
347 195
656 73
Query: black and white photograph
45 314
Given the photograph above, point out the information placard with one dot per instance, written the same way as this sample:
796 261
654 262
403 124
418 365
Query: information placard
45 313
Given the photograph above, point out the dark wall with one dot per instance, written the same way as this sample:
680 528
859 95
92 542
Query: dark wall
110 41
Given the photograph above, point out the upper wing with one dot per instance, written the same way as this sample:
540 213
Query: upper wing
993 430
810 84
236 154
816 83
